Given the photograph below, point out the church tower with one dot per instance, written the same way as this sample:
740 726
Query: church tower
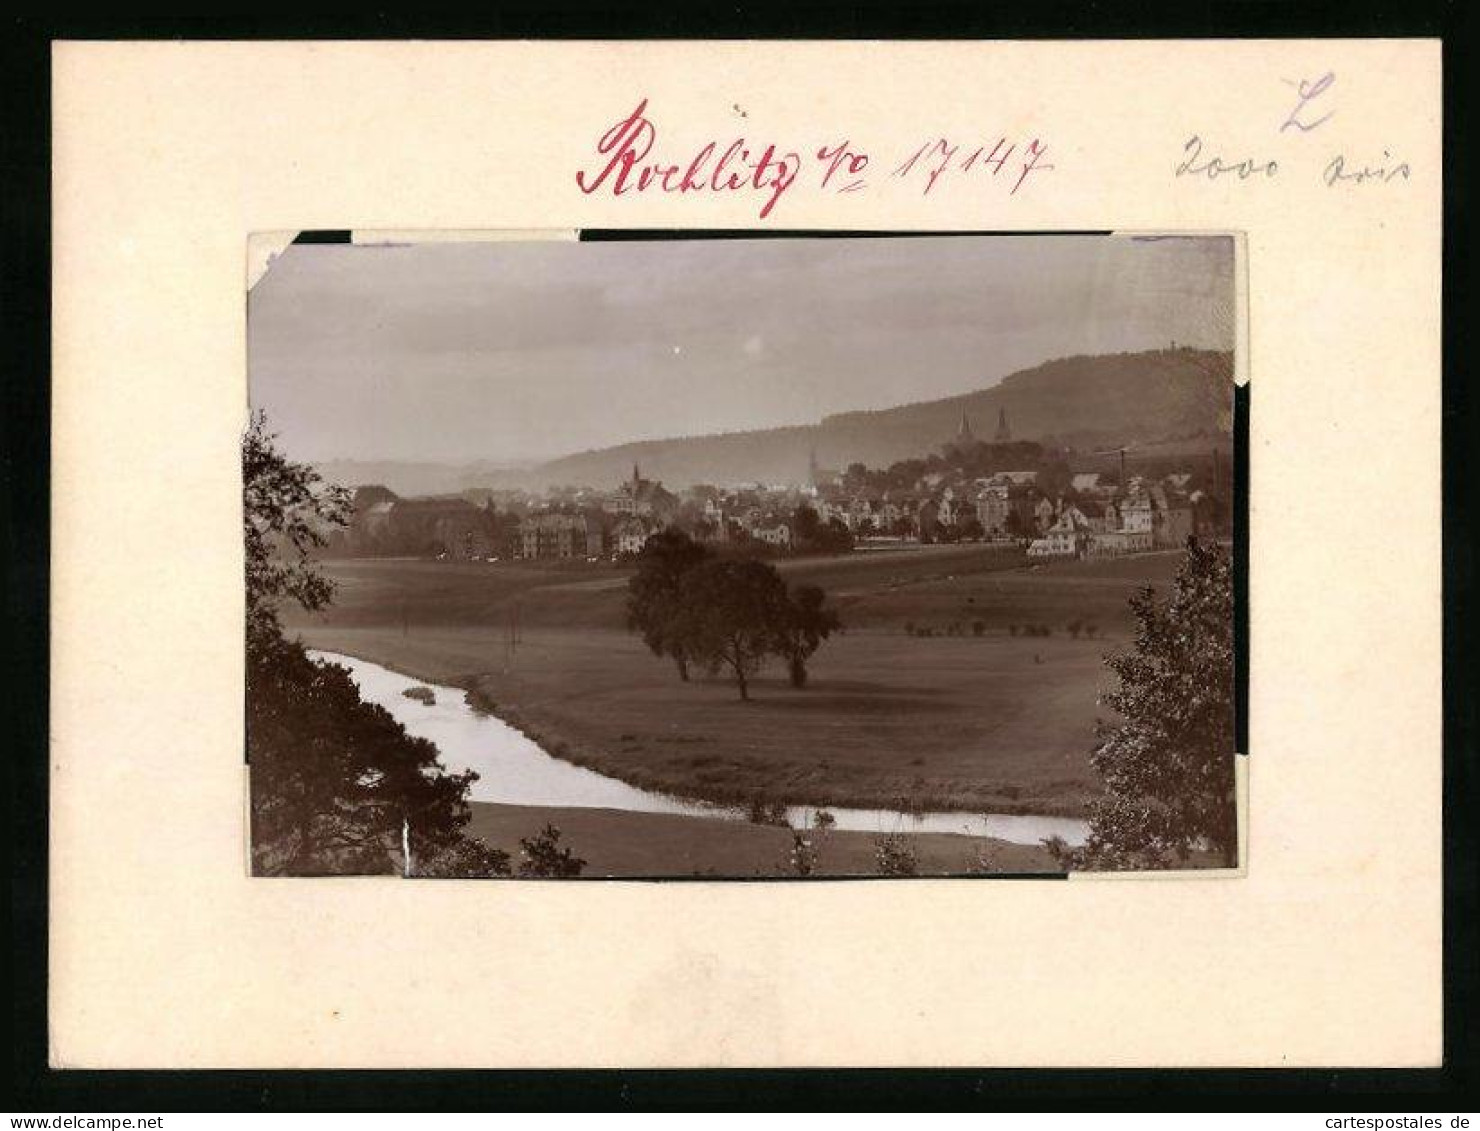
812 467
963 434
1004 433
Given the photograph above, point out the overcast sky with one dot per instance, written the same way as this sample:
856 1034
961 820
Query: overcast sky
511 351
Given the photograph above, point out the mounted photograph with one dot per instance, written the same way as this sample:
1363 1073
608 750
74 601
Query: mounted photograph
647 556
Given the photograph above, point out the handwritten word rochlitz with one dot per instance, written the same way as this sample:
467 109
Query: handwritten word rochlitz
740 166
737 167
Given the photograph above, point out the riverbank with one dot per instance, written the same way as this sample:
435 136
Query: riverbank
621 844
887 721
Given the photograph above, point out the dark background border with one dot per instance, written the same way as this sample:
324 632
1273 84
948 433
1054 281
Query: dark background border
24 538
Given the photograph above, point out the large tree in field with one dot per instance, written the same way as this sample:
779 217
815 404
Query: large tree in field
809 622
337 785
733 614
1168 764
652 593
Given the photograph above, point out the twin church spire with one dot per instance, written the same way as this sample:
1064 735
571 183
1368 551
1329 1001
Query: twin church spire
1004 433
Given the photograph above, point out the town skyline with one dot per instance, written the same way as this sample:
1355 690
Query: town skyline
1002 491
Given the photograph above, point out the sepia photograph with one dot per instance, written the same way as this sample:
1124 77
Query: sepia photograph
646 556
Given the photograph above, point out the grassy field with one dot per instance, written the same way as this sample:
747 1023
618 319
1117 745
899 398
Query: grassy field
997 722
615 843
930 587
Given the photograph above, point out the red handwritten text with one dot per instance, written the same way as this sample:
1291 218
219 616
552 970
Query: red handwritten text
628 160
627 144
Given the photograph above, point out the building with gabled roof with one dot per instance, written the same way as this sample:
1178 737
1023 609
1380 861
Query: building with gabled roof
641 496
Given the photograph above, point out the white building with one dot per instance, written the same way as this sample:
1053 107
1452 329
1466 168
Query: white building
631 535
773 533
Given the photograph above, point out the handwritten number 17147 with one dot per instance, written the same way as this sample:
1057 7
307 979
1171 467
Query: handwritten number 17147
936 157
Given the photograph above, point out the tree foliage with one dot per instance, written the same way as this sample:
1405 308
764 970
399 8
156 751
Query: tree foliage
653 606
543 857
1168 765
728 614
732 615
287 513
894 855
337 785
809 623
1016 525
337 781
969 529
1054 477
469 858
810 535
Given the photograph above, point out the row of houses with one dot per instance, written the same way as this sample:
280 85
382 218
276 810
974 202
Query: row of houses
384 524
1083 515
457 528
578 535
1090 517
1147 517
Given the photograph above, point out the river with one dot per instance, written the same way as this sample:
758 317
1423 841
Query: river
514 770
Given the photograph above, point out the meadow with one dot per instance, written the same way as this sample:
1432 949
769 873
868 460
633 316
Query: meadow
932 698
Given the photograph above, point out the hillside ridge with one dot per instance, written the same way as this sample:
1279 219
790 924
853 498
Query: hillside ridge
1086 402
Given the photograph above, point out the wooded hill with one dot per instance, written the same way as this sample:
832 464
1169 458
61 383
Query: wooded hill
1082 402
1169 399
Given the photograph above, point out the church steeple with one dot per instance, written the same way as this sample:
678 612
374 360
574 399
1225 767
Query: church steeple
636 476
1004 433
964 432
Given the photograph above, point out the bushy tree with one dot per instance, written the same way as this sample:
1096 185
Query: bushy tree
288 511
1054 477
895 856
809 623
763 810
802 856
810 535
733 614
337 785
805 525
969 529
836 537
653 593
470 858
337 782
1168 764
543 857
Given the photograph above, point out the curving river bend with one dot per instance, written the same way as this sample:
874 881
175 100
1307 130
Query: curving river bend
514 770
